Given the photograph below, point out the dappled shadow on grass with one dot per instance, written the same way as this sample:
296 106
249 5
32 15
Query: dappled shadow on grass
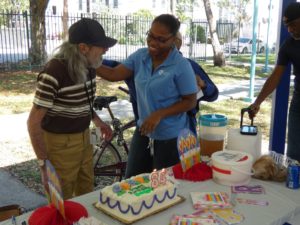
227 72
233 73
18 82
231 76
260 58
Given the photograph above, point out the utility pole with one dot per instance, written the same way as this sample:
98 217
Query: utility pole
253 53
88 6
266 68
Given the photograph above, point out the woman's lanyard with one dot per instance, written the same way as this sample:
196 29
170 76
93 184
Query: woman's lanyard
90 100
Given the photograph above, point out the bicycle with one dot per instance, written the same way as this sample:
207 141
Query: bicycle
110 157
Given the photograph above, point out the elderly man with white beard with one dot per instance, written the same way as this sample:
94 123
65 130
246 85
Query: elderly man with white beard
62 110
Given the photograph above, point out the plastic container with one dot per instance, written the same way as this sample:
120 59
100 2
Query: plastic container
246 139
244 143
212 133
232 168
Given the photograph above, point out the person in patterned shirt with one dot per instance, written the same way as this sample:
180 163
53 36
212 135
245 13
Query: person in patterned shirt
62 110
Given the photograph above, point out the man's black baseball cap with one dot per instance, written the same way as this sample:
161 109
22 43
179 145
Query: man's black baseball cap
292 12
90 32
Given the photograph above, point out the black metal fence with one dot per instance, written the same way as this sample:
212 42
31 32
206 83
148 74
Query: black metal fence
130 32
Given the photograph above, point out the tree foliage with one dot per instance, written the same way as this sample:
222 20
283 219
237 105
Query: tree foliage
135 30
14 5
199 33
185 9
143 13
238 10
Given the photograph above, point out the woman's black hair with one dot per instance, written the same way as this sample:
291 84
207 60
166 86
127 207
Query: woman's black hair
169 21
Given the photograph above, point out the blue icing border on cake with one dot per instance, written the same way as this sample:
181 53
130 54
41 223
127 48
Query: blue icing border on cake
155 199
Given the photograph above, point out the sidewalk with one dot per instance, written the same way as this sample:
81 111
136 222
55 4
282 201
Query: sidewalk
13 191
238 90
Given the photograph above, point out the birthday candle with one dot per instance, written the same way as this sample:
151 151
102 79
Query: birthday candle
154 179
221 196
163 177
208 197
212 198
205 197
217 197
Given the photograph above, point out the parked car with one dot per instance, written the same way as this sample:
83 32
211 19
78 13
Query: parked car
244 45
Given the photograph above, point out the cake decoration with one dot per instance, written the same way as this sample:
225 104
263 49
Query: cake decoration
56 195
144 205
188 149
58 211
162 177
138 196
154 179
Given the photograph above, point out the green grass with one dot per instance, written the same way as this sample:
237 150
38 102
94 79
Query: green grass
17 91
260 59
228 74
17 83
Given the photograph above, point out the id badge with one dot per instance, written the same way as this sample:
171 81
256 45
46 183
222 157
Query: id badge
95 135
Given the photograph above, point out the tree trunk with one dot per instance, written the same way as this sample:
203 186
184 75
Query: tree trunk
38 34
219 59
88 6
65 19
172 7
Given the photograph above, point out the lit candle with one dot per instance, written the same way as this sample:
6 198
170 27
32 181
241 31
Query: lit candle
154 179
163 177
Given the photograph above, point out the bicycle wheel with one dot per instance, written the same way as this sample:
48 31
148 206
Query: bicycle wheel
127 130
108 166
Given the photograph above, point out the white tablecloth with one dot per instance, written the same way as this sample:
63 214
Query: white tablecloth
284 205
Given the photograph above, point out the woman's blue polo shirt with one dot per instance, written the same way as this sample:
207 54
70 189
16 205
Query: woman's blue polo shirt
161 88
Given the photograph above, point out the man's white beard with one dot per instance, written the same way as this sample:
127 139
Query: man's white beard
98 63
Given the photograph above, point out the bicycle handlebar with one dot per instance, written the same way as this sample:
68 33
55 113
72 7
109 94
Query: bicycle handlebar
124 90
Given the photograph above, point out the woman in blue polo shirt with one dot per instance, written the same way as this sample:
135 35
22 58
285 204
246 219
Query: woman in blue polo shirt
165 90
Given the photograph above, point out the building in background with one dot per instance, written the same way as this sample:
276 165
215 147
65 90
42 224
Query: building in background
122 7
156 7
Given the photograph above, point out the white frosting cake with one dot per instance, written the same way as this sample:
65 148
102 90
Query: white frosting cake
134 198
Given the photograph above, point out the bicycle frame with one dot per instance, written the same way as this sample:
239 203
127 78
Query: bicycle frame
118 135
112 169
116 169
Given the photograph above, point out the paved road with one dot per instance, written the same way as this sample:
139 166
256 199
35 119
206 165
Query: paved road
239 89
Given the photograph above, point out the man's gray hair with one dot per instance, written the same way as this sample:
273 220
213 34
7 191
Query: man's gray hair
77 62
